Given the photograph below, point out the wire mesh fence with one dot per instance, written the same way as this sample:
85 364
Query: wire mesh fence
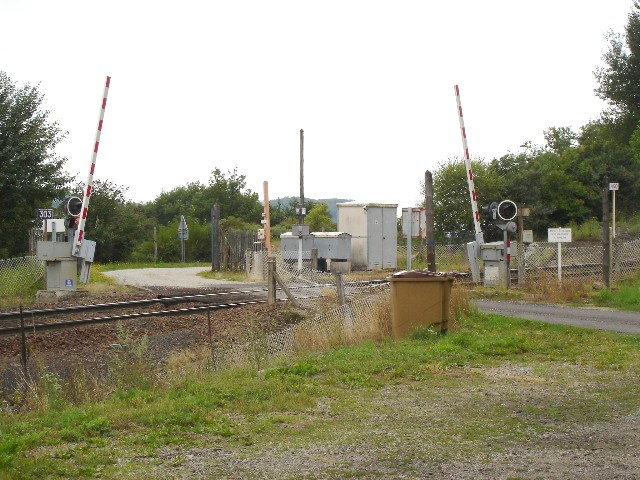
20 274
367 310
532 261
538 260
362 318
583 262
626 259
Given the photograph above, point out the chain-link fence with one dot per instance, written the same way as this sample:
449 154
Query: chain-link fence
626 259
532 260
362 318
20 274
579 261
540 260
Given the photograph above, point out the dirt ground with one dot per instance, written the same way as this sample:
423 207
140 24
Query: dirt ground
394 442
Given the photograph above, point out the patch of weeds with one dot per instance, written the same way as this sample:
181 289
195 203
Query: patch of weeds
423 332
300 369
357 380
129 366
291 315
177 461
39 389
625 296
98 426
258 342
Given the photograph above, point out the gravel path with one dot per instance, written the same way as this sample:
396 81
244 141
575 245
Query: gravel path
186 277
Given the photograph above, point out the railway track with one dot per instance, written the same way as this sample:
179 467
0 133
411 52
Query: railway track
60 318
57 318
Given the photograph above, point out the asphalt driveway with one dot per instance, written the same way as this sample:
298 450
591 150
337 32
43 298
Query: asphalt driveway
588 317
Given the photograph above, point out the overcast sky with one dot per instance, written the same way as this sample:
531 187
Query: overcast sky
197 85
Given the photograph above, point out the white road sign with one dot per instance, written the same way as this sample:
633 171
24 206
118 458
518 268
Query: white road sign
559 235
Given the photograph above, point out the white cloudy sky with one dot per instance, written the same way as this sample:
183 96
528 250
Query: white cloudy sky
197 85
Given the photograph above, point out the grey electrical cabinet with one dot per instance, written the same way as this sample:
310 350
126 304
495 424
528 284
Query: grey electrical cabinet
290 244
333 245
374 234
61 266
329 245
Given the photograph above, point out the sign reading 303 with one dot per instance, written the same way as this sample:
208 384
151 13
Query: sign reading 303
45 213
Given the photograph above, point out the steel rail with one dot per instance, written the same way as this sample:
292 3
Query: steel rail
128 316
14 315
131 303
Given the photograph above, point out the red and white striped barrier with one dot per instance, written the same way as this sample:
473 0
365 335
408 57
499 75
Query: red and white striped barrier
79 236
467 159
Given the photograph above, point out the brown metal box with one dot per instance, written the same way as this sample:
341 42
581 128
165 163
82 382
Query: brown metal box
419 299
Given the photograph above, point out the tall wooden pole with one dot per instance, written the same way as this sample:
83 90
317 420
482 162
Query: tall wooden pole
215 236
301 211
606 244
301 214
520 249
267 218
429 217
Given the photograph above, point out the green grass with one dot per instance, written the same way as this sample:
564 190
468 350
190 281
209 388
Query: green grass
335 397
623 296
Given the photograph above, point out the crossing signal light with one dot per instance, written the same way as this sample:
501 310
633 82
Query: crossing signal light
507 210
71 207
503 211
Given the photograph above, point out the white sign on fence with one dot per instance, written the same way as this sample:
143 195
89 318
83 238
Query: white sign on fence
559 235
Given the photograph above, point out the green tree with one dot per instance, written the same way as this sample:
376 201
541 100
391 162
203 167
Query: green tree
31 173
281 211
601 151
183 200
451 201
117 225
545 180
319 219
619 79
197 247
233 196
195 200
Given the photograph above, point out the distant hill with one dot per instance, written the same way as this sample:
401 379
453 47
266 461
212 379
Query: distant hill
331 202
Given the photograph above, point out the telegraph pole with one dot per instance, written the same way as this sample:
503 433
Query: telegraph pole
301 211
606 242
428 205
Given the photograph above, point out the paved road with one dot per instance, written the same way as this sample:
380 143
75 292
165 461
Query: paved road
599 318
589 317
